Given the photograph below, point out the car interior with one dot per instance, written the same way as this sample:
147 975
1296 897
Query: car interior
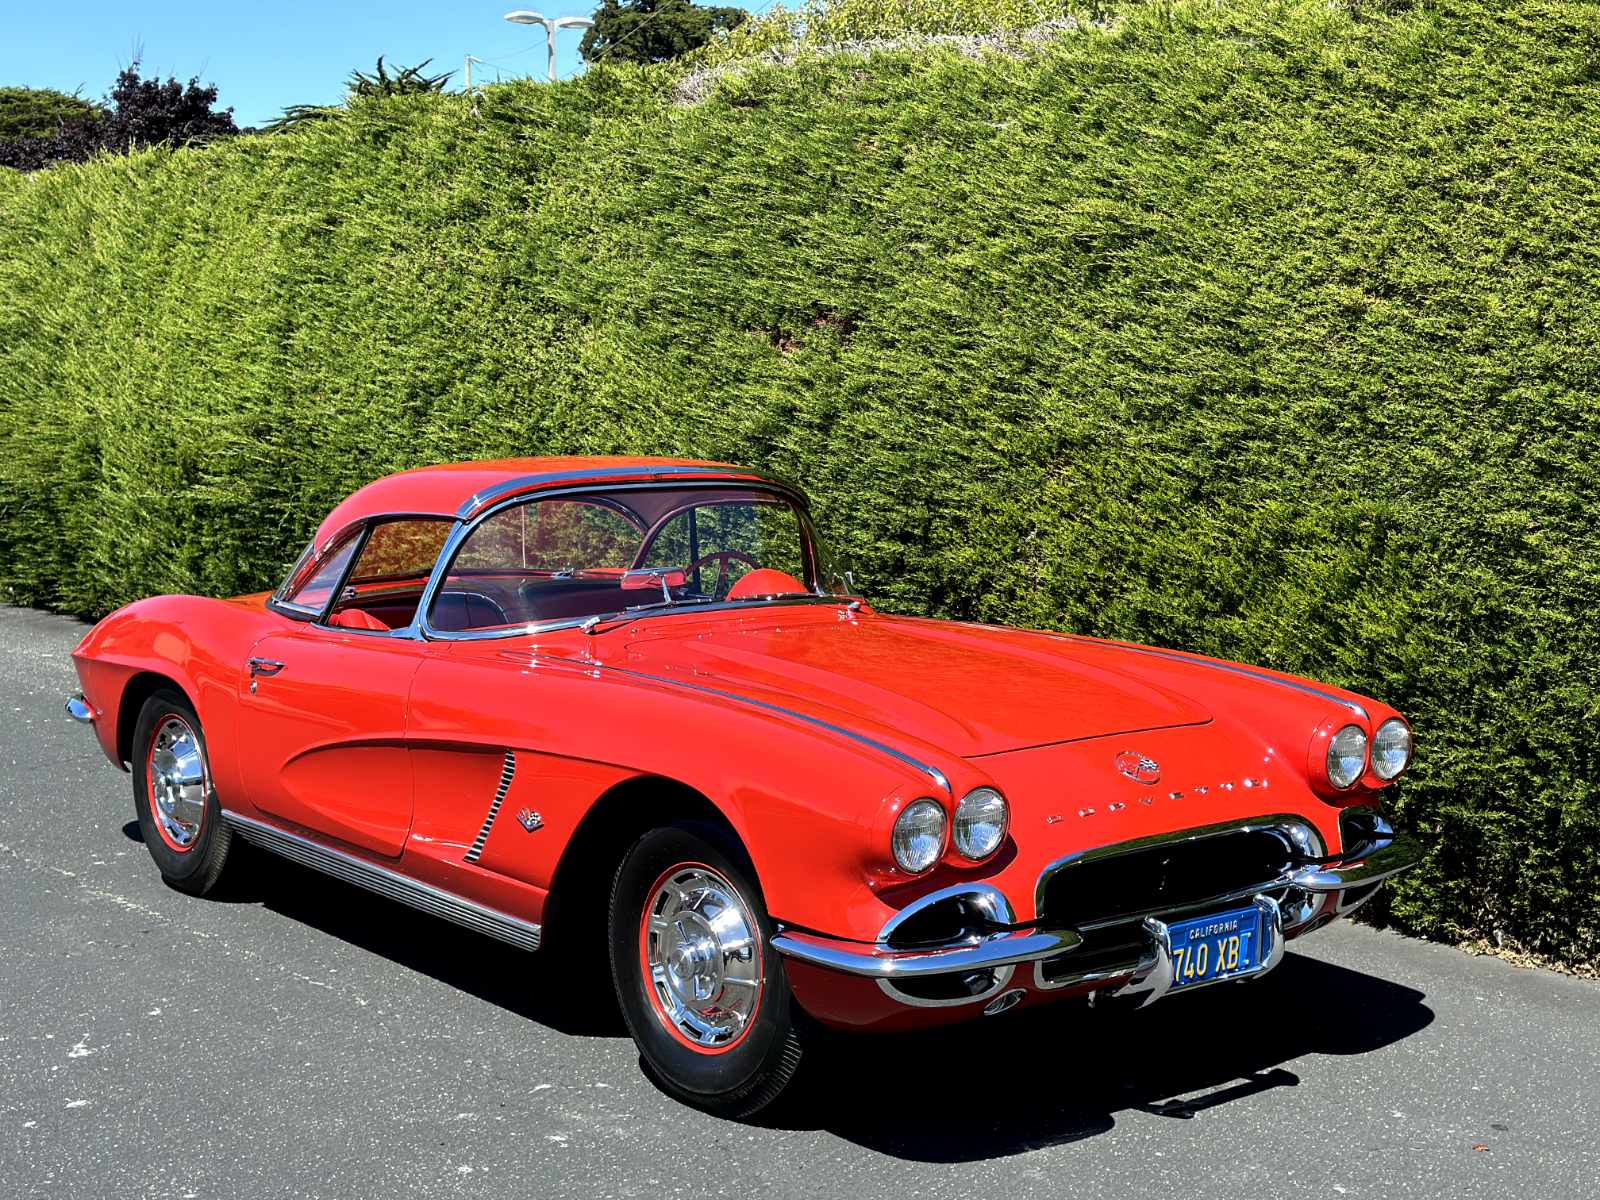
565 558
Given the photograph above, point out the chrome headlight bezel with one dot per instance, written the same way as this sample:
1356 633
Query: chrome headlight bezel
982 811
1392 726
1347 762
918 838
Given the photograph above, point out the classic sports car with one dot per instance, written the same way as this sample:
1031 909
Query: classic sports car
631 706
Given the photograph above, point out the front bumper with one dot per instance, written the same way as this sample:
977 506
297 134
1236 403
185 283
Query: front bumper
1299 901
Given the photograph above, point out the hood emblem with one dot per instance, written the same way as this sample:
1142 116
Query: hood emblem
1137 767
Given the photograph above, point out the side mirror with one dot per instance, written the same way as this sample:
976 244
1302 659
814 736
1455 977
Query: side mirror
658 577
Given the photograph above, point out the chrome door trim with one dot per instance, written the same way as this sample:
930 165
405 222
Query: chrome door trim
386 882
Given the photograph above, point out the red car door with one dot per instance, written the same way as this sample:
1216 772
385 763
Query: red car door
322 726
322 739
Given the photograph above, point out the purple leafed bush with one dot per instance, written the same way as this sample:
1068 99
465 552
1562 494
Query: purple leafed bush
141 113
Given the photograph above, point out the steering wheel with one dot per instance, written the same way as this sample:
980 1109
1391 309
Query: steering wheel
723 557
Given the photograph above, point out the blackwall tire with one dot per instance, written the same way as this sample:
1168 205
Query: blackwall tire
174 795
701 988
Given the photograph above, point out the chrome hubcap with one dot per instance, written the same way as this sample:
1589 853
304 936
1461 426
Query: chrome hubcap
177 782
702 957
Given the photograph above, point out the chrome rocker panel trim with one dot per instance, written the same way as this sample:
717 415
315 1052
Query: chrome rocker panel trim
391 884
880 962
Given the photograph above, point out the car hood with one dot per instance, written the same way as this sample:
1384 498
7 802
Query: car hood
967 689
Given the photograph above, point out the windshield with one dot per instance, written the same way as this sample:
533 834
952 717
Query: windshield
604 552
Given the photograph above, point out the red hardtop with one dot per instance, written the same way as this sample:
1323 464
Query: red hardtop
460 489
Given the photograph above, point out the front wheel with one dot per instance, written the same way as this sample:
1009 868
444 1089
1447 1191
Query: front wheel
700 986
179 816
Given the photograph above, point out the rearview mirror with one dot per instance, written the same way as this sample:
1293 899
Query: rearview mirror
658 577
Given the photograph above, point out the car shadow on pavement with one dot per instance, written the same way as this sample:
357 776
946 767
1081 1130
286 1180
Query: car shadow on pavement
530 985
1040 1077
1061 1072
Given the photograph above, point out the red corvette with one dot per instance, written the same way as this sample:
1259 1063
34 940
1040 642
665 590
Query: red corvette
632 704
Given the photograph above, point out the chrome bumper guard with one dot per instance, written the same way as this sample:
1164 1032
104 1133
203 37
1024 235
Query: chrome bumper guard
1155 975
1394 854
78 709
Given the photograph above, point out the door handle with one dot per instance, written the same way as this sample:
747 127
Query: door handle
263 666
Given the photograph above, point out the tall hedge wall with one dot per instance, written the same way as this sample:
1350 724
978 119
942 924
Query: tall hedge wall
1265 330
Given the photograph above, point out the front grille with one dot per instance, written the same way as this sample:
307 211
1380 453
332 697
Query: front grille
1165 877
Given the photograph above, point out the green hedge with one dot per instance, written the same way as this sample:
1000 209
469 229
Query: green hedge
1263 330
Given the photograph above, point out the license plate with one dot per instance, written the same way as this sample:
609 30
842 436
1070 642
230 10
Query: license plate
1215 947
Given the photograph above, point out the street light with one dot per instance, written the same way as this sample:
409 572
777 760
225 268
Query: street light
551 24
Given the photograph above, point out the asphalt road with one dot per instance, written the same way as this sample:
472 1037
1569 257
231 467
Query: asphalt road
301 1038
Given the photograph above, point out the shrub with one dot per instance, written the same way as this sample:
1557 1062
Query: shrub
1262 330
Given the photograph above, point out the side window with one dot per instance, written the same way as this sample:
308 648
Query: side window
311 595
722 543
545 560
387 581
551 535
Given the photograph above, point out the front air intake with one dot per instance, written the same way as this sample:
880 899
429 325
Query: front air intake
1161 878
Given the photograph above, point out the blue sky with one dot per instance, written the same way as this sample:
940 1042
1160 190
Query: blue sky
263 57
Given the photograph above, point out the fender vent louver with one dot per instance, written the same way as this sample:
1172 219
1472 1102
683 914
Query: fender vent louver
506 776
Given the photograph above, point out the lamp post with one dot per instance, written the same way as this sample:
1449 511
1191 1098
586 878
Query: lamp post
551 24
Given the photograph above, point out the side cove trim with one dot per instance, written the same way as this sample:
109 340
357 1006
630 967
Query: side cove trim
506 776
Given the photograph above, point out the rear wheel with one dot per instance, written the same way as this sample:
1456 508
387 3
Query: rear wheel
179 816
700 986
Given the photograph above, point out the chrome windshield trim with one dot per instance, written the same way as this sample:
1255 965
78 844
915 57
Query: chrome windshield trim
628 616
880 962
464 528
597 475
932 772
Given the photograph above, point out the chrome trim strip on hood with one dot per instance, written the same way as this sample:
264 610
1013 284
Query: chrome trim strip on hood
931 772
1194 660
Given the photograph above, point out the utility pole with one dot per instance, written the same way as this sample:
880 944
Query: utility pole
470 61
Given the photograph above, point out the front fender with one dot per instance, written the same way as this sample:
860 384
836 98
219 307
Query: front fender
197 643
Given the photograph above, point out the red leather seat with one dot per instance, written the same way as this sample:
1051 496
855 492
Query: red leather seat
355 618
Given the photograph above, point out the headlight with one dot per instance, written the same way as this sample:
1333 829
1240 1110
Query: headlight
918 836
1347 756
981 820
1391 748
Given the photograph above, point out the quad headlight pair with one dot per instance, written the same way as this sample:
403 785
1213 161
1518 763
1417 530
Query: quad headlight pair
919 830
1348 753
